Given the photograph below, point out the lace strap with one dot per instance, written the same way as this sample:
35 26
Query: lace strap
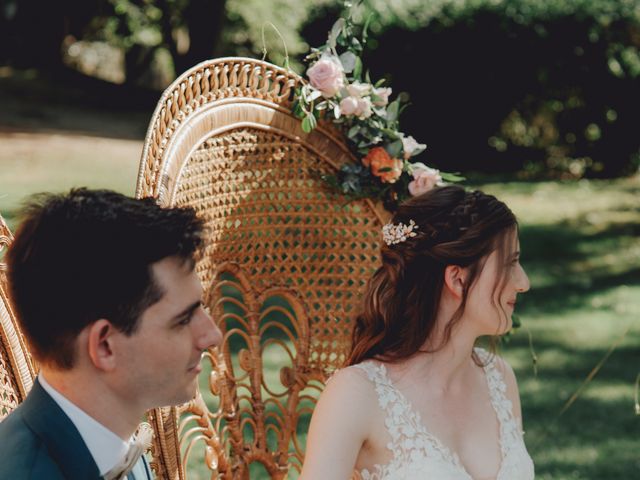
509 431
409 436
377 375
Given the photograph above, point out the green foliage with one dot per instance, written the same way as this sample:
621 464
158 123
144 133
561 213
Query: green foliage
247 18
130 22
548 88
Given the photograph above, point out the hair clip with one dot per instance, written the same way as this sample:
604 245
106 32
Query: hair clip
392 233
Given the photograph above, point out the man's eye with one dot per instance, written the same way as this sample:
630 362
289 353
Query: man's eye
185 320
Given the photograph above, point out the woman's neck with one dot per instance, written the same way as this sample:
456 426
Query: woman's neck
444 362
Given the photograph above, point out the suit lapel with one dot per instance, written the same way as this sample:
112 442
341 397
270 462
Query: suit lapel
59 434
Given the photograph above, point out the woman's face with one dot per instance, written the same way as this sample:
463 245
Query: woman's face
492 298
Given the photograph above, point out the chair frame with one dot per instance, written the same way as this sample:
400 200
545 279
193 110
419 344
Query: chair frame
22 367
212 98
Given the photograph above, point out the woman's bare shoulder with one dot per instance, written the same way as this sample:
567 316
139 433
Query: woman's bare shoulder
353 382
340 425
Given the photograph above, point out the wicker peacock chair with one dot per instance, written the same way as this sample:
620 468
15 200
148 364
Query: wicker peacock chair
17 370
284 262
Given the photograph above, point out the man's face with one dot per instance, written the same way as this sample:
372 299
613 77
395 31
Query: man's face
160 362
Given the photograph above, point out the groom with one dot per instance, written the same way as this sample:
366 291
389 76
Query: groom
106 293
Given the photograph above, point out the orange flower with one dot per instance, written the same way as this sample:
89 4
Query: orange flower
382 165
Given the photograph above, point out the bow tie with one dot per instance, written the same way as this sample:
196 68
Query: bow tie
140 443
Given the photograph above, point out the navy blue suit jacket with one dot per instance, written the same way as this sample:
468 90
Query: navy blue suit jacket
39 442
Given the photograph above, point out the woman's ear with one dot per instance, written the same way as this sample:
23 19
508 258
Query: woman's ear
100 344
455 278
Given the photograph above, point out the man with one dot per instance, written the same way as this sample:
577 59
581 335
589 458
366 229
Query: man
106 293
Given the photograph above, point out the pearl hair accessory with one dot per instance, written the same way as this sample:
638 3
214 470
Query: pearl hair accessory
392 233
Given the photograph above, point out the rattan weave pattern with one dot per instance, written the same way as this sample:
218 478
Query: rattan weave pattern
284 262
16 367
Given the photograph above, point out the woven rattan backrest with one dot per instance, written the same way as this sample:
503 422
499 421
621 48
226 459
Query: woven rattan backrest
16 368
284 263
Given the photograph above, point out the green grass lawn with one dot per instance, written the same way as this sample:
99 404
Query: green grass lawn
56 162
581 248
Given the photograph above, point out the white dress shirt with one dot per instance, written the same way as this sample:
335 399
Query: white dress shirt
106 448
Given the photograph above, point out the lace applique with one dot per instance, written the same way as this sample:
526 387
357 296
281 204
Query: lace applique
419 454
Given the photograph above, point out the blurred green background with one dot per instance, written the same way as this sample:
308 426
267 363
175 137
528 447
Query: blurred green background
535 102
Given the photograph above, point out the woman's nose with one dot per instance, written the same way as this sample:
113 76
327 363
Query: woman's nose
523 284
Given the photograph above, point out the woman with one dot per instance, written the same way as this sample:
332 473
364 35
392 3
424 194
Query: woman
418 401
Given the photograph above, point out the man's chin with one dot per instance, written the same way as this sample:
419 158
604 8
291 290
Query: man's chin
187 395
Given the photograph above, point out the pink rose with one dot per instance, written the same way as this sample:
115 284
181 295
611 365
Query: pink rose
383 94
327 75
364 108
409 146
348 106
424 179
359 107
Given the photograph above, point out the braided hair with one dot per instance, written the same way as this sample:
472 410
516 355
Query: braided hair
454 227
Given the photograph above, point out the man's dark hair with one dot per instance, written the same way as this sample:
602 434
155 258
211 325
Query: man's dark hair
87 255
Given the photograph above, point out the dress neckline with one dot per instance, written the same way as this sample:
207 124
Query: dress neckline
449 454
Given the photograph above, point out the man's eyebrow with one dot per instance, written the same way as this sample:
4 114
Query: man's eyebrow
189 310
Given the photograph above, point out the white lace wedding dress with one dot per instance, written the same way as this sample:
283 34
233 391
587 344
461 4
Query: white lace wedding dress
417 454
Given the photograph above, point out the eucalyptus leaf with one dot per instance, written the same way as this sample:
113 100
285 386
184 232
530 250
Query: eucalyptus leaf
452 177
357 69
403 97
393 109
306 124
335 32
353 131
348 60
355 43
365 29
390 133
394 148
314 95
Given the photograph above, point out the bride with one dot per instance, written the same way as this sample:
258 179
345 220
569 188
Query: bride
417 400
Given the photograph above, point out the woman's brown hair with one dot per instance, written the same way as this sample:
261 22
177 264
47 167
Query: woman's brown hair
454 227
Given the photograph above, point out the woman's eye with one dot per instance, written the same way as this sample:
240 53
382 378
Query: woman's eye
185 320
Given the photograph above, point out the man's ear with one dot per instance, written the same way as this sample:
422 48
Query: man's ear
455 278
100 344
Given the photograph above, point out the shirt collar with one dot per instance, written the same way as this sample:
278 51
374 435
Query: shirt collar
106 448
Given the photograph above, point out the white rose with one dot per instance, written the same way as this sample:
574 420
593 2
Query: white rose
359 90
424 179
409 145
383 94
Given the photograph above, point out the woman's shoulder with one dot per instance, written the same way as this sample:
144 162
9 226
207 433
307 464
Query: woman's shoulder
499 363
357 379
348 399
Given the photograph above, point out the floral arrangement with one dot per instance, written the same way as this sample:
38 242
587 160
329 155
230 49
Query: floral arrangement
340 91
